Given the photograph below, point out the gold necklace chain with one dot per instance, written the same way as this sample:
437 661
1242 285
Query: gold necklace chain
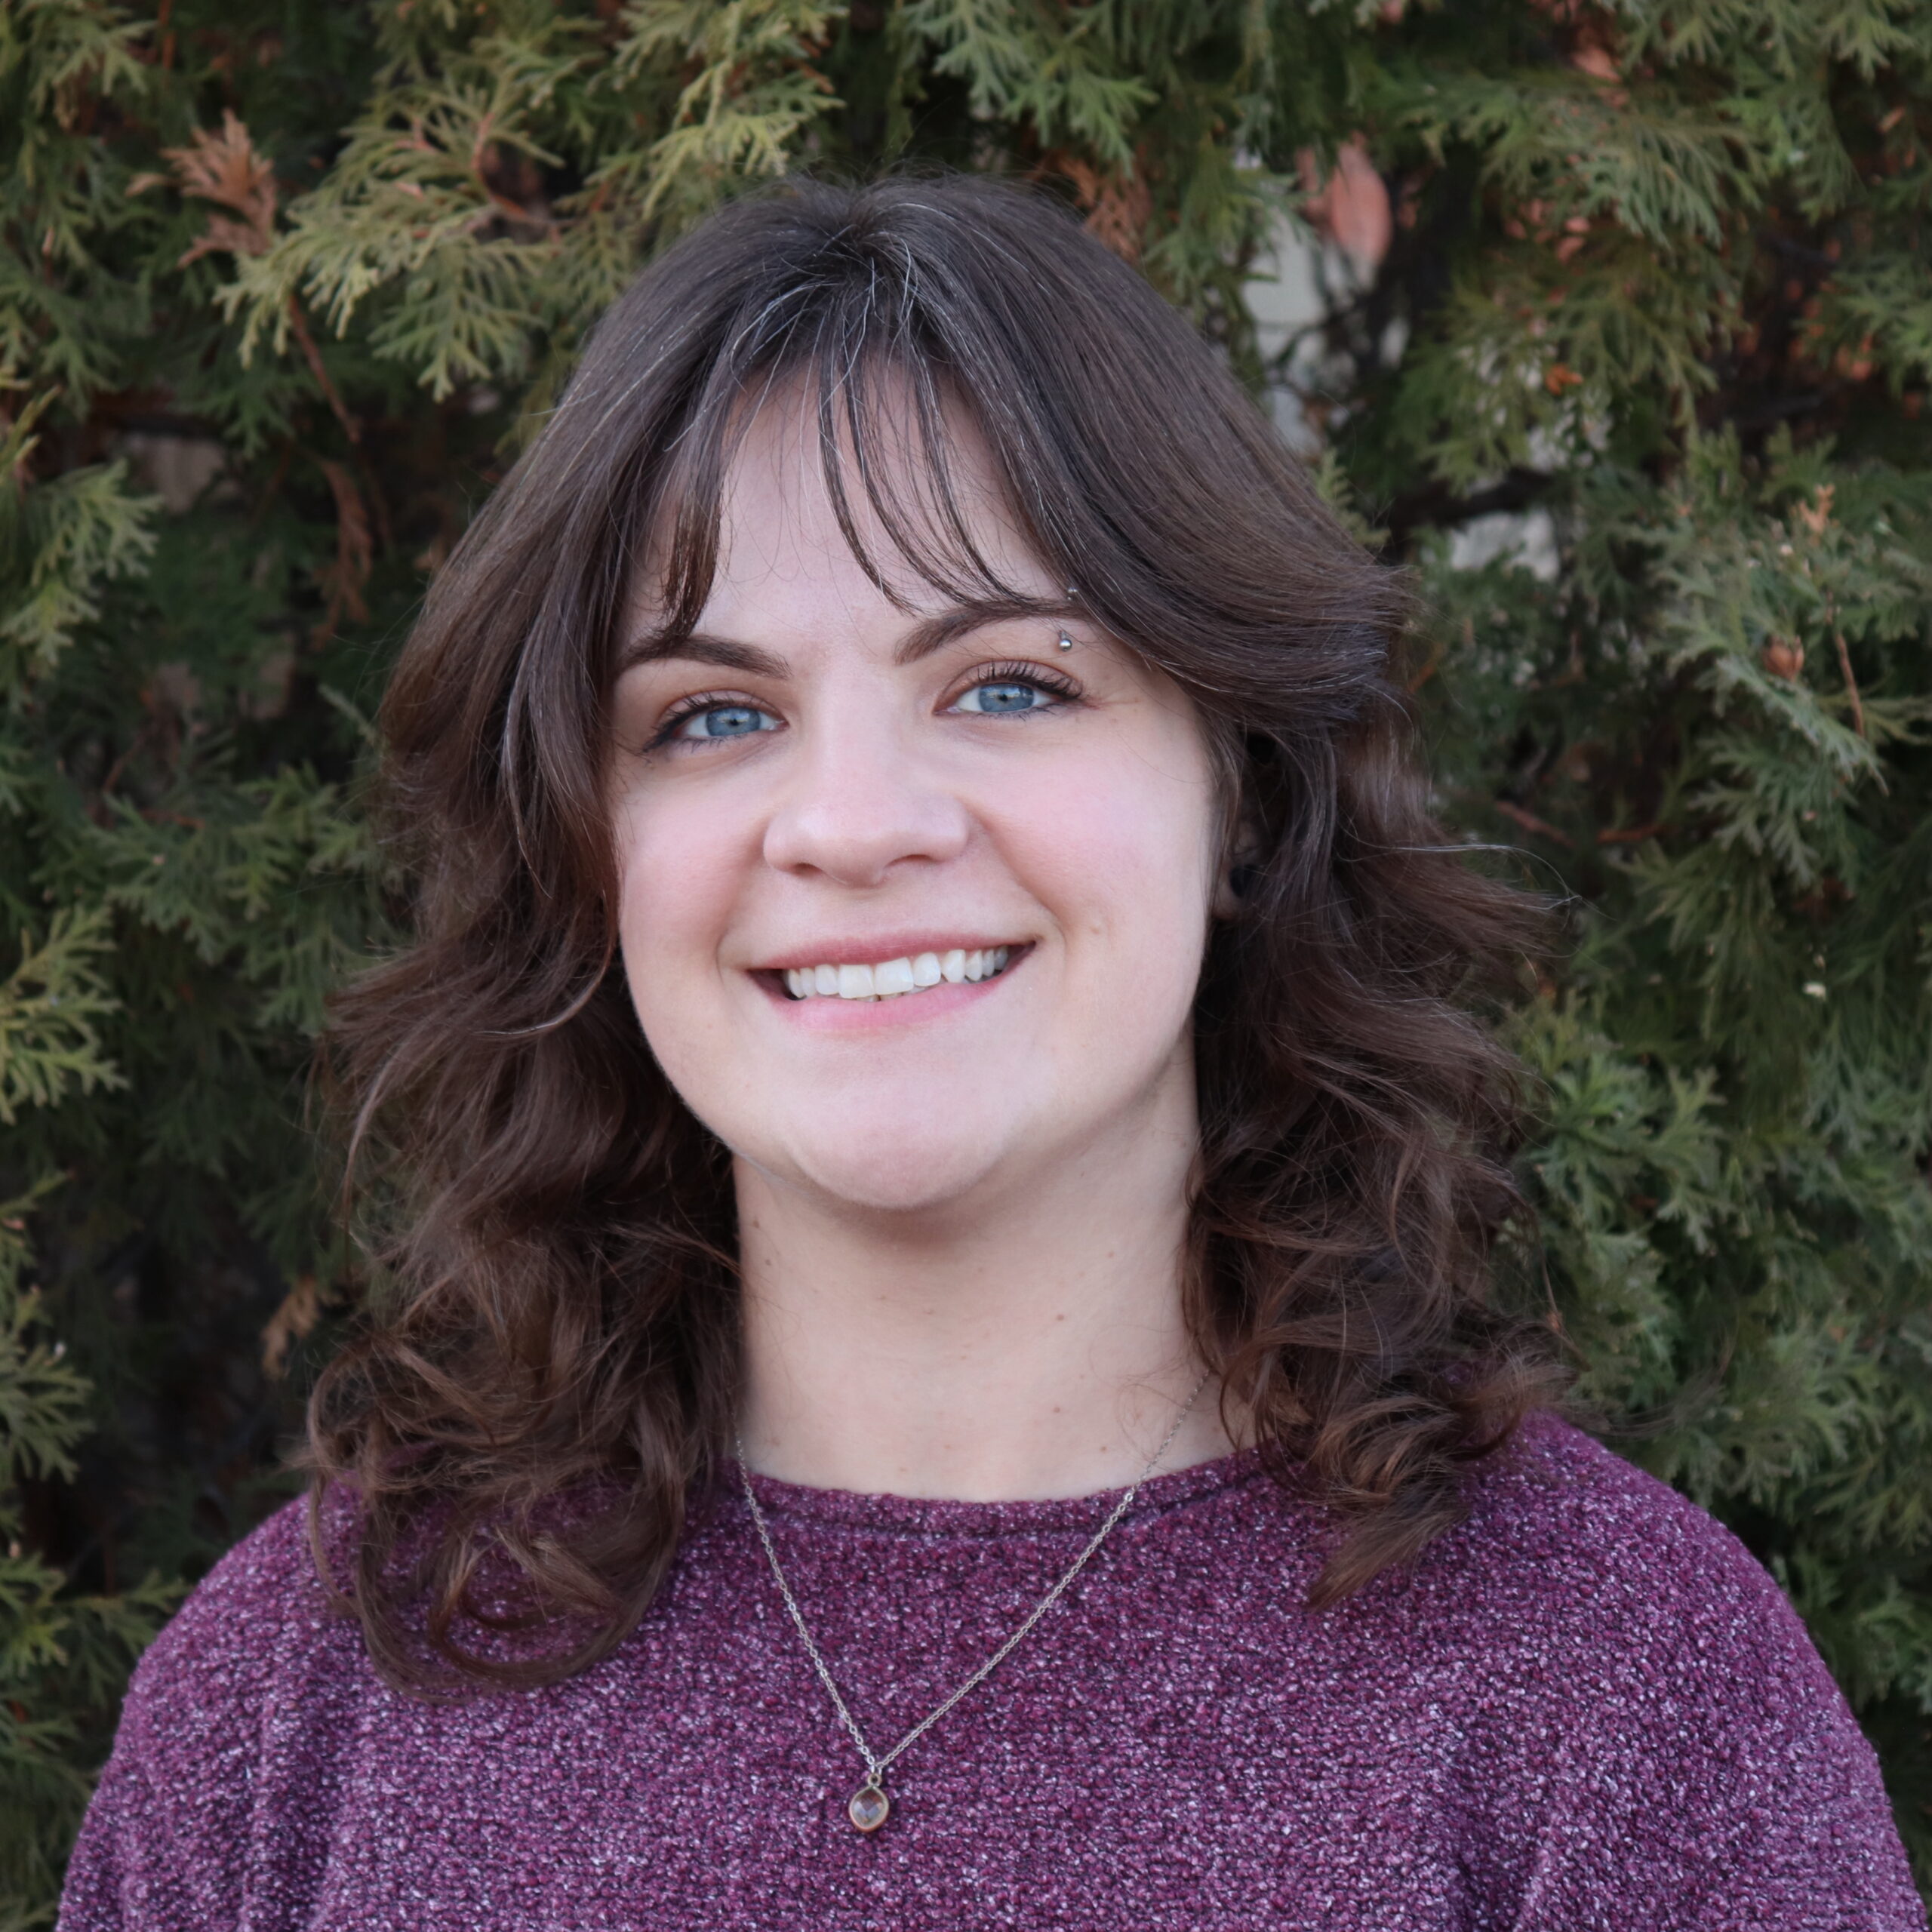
868 1806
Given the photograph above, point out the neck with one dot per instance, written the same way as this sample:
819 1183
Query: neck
1028 1343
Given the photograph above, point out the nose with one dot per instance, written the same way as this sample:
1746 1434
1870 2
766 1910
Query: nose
861 803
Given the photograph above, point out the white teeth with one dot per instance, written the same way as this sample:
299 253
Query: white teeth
894 977
891 979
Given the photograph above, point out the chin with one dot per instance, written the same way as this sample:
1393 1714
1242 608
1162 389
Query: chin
896 1167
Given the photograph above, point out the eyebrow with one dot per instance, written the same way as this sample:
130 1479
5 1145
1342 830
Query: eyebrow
927 636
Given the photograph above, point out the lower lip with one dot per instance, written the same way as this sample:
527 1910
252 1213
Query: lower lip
824 1013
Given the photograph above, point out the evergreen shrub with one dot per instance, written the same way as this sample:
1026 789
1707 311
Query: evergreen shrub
1622 345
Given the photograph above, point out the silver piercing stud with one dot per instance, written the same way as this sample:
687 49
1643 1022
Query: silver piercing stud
1065 642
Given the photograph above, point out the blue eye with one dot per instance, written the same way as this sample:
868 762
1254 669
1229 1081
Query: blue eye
992 699
724 721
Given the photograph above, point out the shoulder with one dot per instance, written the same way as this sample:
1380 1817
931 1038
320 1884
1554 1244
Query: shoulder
1556 1512
1690 1738
166 1837
1567 1545
257 1627
236 1627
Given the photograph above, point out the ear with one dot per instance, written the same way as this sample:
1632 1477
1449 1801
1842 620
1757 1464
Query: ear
1237 869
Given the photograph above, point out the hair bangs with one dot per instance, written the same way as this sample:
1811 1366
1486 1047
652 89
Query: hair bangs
864 374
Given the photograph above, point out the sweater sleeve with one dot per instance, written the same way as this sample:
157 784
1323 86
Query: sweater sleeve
1721 1784
165 1845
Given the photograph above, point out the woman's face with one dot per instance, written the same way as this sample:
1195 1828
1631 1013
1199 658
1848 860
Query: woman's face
1012 847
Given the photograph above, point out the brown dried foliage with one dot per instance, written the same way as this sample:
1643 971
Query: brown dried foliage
224 168
342 581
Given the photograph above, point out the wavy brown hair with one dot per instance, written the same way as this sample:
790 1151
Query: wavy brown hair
547 1379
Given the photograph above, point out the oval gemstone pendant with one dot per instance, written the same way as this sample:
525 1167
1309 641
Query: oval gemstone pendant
869 1807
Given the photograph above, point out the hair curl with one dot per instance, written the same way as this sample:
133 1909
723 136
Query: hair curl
550 1375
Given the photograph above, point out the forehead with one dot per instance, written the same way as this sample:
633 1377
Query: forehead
865 514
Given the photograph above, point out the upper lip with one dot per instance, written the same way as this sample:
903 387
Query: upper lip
873 949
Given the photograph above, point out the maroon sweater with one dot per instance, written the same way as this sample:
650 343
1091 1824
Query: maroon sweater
1587 1707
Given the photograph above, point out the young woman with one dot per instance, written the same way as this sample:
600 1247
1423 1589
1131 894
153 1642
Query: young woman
936 1197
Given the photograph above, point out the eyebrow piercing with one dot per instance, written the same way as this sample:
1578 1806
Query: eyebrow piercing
1065 642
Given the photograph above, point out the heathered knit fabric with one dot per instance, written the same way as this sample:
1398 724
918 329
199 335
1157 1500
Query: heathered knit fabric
1587 1707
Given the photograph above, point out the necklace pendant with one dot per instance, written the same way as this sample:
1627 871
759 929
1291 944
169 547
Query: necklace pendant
869 1807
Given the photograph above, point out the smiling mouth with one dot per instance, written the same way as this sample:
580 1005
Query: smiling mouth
896 979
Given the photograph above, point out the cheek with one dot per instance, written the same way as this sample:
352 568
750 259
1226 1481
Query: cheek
1122 850
678 871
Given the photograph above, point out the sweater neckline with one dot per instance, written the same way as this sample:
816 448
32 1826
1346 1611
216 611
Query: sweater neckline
946 1517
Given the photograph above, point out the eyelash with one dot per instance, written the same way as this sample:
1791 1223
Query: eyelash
688 708
1016 673
1038 675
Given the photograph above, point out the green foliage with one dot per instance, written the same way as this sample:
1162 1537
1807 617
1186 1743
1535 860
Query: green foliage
282 288
64 1655
48 1005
